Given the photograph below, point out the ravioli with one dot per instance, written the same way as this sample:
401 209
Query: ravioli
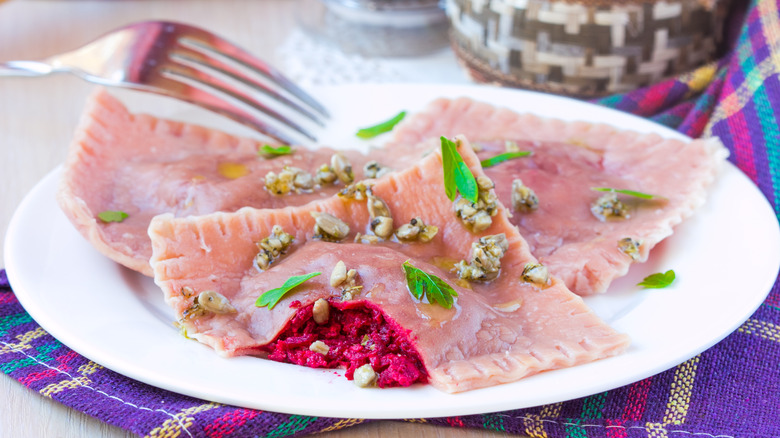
569 159
144 166
496 332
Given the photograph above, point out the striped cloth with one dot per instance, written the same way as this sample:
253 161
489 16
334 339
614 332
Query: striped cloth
730 390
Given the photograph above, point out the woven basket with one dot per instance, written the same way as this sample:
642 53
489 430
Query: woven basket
587 48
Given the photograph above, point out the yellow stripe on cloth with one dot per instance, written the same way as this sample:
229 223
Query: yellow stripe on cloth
60 386
89 368
343 424
763 329
534 424
24 341
680 395
173 427
656 430
85 370
534 427
679 399
553 410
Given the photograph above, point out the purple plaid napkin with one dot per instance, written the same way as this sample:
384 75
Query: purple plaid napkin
730 390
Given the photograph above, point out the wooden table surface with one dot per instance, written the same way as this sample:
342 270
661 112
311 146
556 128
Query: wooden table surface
37 118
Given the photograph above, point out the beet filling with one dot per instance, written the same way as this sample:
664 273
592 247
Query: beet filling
356 333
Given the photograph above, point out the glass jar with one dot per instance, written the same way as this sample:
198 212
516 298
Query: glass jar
383 28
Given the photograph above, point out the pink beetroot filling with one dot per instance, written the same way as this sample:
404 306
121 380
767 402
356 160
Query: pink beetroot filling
356 333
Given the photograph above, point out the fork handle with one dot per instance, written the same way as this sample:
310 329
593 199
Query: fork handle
24 68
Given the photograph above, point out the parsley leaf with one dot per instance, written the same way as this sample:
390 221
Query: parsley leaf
457 176
381 128
436 290
112 216
658 280
627 192
269 151
506 156
271 297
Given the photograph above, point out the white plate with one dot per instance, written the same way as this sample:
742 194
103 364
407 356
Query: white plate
726 259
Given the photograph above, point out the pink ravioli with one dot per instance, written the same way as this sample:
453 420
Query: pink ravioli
144 166
496 332
569 158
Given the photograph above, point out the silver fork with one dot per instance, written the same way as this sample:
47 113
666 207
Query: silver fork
186 63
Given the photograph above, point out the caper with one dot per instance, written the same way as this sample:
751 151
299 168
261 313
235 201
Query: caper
417 230
329 227
523 198
535 273
289 179
609 207
325 175
382 226
372 169
215 302
342 168
477 216
272 247
484 261
630 247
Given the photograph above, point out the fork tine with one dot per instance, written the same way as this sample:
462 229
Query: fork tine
213 43
183 91
203 59
186 72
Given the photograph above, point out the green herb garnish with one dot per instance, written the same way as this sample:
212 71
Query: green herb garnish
627 192
506 156
112 216
271 297
658 280
269 151
381 128
436 290
457 176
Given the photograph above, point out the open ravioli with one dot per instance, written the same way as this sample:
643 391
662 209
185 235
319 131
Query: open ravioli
496 331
